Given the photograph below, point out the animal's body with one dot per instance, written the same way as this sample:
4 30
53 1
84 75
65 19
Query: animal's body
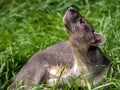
78 56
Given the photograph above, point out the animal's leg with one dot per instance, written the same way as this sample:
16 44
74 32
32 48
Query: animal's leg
30 74
62 81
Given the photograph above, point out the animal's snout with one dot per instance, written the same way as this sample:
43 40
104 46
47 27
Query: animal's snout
70 17
72 10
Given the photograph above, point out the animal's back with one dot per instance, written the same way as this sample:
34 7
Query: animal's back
60 54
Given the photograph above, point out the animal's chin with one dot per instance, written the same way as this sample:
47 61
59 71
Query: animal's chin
67 24
65 20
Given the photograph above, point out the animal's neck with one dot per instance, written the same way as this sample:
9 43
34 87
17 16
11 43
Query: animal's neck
80 52
80 58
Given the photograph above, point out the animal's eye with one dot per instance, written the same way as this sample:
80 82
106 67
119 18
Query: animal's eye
81 21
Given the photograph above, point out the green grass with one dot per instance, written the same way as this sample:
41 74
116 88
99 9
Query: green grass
29 26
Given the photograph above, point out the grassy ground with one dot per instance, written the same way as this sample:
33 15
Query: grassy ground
29 26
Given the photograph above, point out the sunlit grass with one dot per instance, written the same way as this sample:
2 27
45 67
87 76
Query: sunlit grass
29 26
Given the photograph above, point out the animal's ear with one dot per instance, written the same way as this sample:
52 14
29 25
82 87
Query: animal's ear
100 39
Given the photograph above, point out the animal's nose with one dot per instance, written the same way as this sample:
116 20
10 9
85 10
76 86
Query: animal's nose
71 9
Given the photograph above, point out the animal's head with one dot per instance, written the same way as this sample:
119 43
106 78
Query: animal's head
80 32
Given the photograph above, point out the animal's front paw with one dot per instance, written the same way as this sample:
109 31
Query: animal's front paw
52 82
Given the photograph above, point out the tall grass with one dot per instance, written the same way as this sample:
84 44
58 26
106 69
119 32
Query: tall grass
29 26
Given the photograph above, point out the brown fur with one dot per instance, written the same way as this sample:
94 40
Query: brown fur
80 56
56 70
89 59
